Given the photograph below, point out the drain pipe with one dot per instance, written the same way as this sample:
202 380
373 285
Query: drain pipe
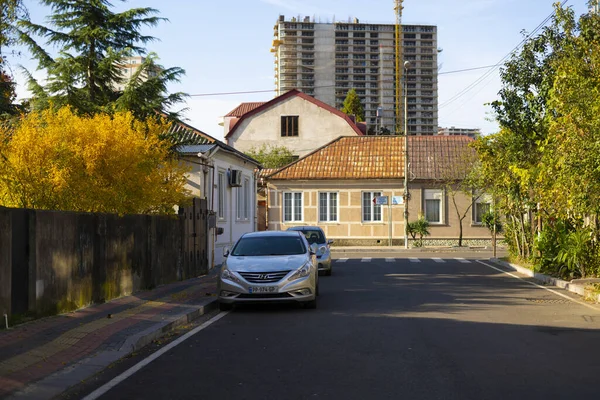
6 320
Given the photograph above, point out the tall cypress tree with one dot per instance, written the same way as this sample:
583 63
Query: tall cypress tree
94 45
352 106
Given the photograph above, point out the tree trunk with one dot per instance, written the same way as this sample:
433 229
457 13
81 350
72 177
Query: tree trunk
460 231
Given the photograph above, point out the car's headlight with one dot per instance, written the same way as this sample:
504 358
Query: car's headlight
322 250
301 272
228 275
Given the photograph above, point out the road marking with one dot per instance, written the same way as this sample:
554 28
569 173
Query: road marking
414 259
540 286
120 378
462 260
438 260
366 259
389 259
342 260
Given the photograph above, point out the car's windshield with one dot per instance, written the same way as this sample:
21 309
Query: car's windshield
269 246
314 236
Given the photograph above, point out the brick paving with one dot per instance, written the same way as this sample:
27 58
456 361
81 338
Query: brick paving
37 349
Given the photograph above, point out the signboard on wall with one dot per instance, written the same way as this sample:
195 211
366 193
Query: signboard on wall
396 200
380 200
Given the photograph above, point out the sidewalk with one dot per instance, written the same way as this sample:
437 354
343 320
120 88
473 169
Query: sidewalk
43 358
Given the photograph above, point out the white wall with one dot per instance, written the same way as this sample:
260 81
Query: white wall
232 226
317 127
201 183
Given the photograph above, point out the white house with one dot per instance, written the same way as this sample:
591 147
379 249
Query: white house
226 177
294 120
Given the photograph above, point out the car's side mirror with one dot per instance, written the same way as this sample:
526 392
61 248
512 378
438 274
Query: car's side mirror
312 251
226 252
330 241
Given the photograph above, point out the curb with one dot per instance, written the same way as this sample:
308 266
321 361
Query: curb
579 289
62 380
143 339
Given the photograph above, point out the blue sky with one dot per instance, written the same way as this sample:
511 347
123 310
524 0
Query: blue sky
224 46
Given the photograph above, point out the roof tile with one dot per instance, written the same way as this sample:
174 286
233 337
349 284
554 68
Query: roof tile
244 108
382 157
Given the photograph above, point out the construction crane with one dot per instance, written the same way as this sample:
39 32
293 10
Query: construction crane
399 65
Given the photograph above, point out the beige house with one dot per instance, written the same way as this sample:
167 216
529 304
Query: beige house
294 120
334 187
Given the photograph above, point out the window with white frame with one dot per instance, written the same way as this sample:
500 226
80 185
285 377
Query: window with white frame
247 198
292 206
433 205
221 187
371 212
481 206
328 206
243 200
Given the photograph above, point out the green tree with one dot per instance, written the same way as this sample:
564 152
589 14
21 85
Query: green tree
10 12
353 106
462 178
419 227
95 43
512 159
271 156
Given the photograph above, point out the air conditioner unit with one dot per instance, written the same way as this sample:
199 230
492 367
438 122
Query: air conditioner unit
235 178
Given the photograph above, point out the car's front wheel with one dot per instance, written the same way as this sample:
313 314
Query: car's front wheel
225 306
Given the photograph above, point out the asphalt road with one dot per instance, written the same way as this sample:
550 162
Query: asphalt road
391 329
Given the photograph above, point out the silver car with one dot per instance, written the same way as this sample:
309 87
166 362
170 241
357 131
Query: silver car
271 266
316 238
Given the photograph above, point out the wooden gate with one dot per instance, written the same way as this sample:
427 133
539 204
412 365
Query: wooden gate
195 239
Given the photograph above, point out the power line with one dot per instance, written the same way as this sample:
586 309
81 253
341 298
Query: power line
465 70
324 86
499 63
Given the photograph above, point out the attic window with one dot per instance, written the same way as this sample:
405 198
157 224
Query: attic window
289 125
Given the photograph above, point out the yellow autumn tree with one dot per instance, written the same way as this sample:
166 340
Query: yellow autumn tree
57 160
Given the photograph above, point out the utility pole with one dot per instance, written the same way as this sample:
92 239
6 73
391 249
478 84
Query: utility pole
406 194
400 73
398 57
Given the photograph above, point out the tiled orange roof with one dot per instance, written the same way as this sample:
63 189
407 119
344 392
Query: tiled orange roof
440 157
350 157
244 108
382 157
263 173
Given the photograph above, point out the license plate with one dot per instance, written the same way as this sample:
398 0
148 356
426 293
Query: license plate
262 289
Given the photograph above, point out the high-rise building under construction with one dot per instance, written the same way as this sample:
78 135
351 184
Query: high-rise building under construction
326 60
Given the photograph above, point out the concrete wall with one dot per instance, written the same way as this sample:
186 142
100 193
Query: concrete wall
324 69
317 127
350 228
62 261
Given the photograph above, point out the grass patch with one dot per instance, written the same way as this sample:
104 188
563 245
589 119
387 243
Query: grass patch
520 261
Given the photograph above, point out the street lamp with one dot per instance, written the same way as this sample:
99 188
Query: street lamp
406 65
